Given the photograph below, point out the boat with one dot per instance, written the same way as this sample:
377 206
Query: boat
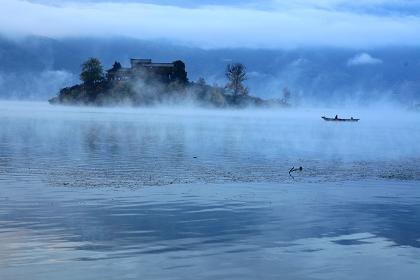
336 119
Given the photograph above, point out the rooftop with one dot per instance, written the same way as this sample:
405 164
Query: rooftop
141 60
159 65
148 63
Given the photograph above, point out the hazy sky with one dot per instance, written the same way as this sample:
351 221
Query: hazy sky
222 23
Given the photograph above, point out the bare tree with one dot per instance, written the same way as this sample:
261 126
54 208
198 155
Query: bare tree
236 74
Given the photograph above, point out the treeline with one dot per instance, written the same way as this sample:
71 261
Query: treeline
98 89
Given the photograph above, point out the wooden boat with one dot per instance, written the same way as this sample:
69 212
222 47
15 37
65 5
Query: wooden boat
340 119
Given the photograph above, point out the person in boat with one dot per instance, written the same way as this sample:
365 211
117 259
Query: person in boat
336 117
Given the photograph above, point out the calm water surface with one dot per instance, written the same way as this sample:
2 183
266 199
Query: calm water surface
177 194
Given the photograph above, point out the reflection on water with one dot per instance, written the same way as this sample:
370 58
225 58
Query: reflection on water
352 231
137 194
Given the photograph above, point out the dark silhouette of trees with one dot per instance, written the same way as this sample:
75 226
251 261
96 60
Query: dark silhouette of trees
92 72
170 83
116 66
179 74
236 75
110 74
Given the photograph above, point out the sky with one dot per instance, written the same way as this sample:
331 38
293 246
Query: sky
275 24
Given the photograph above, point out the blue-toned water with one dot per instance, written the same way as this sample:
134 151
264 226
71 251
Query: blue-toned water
185 194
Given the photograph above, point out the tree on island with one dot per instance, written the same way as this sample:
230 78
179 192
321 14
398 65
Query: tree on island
171 84
115 68
179 74
236 75
92 72
286 96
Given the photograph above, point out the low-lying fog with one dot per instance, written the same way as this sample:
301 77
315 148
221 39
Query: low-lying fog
151 146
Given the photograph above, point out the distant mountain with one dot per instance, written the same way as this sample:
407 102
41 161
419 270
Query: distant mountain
37 67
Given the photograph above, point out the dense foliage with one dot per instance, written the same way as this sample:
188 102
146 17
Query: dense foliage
92 72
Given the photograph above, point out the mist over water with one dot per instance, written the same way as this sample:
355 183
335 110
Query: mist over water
162 172
37 67
183 192
155 146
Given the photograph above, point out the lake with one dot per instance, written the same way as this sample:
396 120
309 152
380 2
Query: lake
185 193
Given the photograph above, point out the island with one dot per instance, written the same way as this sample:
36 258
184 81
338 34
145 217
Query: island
147 83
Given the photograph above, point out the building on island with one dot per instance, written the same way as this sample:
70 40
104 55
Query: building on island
148 70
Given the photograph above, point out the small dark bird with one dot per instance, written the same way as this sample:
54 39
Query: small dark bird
293 169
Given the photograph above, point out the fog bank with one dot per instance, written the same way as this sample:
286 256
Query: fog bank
275 24
314 76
